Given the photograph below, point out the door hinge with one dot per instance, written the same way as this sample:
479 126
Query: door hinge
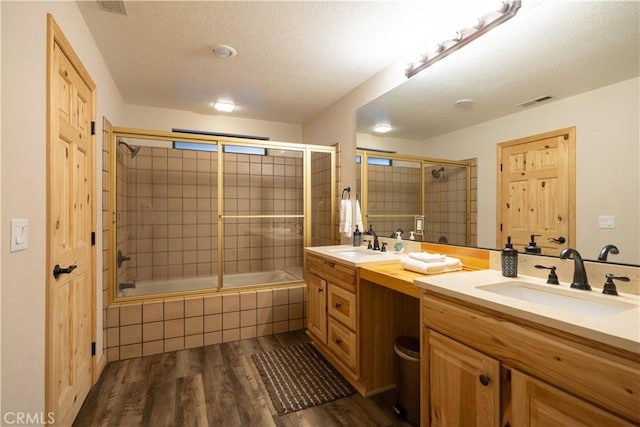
500 167
500 227
93 127
93 348
93 238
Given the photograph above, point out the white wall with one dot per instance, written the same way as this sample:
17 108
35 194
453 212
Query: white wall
164 119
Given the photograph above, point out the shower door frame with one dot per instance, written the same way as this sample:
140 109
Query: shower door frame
424 163
220 141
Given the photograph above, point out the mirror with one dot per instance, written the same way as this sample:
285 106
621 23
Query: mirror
585 57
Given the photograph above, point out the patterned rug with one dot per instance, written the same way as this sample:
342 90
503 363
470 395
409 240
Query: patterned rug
299 377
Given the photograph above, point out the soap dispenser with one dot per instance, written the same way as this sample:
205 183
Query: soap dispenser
357 237
509 260
532 248
398 246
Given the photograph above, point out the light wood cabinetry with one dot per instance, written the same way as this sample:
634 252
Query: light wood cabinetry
464 384
332 313
546 377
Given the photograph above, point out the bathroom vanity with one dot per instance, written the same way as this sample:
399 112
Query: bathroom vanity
489 355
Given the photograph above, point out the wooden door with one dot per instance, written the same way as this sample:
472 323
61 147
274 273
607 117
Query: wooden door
464 385
70 222
534 403
317 307
536 191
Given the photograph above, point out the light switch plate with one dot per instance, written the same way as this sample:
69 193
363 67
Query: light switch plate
19 234
606 221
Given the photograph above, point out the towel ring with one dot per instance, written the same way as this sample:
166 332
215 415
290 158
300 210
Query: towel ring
348 191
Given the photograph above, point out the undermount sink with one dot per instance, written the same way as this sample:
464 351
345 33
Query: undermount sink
584 303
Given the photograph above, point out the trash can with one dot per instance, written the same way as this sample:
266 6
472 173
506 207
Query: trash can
407 405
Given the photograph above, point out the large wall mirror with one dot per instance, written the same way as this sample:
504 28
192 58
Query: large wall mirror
557 64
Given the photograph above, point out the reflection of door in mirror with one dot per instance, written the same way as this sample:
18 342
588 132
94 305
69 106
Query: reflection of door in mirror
536 191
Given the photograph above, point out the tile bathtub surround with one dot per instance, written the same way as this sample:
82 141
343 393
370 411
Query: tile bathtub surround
145 328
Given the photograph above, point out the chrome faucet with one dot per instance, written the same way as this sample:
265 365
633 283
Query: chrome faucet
376 243
606 251
580 280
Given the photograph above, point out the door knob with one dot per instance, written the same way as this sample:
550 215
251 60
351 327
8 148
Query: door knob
57 270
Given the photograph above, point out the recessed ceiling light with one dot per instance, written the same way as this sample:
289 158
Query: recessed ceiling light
225 107
381 128
224 51
464 102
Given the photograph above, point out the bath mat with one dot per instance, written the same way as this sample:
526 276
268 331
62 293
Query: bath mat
298 377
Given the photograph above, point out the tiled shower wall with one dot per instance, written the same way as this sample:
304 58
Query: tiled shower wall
320 199
167 204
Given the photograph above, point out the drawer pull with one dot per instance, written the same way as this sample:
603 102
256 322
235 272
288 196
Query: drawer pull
320 289
338 341
338 305
484 380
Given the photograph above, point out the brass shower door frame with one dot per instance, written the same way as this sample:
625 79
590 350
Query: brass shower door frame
424 163
305 149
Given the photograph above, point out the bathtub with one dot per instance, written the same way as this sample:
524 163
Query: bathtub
163 286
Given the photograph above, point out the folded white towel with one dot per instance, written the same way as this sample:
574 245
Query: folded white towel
358 216
345 218
427 257
450 264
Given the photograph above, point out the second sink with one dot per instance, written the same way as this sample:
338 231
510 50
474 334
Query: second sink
571 301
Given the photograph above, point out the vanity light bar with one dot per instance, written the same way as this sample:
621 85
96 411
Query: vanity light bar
465 36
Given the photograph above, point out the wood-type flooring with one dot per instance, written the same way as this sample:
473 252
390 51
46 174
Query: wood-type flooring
216 386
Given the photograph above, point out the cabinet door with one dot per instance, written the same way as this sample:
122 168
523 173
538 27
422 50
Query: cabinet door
535 403
317 307
464 384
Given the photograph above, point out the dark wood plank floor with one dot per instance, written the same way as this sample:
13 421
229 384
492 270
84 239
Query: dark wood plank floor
216 385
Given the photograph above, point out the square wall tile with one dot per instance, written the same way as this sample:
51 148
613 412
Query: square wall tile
193 307
264 315
113 316
296 324
193 325
248 332
248 318
213 322
113 354
130 351
231 320
295 295
174 309
231 335
264 330
280 296
280 327
213 304
295 311
211 338
152 311
130 334
280 313
248 300
264 298
173 344
174 328
230 302
192 341
152 331
152 347
113 337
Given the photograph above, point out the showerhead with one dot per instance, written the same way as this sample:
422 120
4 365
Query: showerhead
436 172
133 150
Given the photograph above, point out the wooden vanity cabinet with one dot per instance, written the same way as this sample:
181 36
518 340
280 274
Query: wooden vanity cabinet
513 372
332 313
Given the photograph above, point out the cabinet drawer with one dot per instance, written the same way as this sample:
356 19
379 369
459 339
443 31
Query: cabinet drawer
342 306
342 343
336 273
583 368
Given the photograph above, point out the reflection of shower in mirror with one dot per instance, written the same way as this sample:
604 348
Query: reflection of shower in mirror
133 150
437 173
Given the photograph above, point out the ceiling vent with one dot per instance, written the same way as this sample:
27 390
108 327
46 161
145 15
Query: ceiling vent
534 101
114 6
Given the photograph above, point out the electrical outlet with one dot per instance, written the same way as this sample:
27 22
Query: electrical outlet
606 221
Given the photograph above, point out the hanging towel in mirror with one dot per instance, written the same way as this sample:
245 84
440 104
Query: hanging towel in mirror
358 216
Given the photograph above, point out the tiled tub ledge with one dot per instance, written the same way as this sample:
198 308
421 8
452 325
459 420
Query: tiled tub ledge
146 328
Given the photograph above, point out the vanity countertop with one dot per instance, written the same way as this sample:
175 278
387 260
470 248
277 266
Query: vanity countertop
354 256
620 329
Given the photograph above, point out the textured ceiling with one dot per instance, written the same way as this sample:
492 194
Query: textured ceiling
296 58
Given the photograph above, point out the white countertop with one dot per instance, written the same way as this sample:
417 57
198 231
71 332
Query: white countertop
621 330
353 255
